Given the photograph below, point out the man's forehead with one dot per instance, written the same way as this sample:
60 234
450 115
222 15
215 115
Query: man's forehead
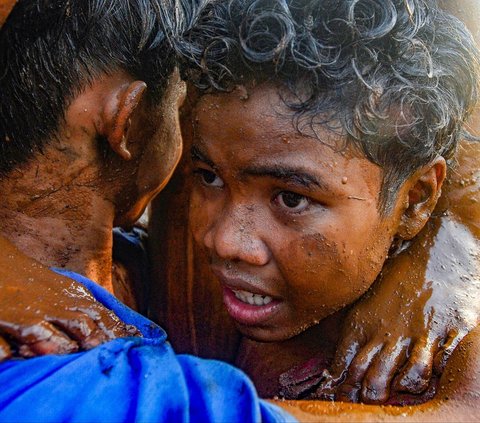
6 7
273 121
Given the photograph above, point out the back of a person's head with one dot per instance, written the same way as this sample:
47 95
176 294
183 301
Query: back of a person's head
51 49
397 77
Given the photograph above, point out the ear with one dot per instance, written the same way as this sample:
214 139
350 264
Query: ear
423 191
118 113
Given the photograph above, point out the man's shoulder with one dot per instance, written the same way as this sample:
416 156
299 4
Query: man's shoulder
148 328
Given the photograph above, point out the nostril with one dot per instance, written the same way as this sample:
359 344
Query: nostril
207 240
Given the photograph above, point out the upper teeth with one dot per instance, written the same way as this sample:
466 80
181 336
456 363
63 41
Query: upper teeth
252 299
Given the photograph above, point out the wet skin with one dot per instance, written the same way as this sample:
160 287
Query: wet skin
430 308
396 313
241 213
456 399
372 331
432 288
71 225
283 215
30 323
63 203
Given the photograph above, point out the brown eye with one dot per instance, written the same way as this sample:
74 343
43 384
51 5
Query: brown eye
209 178
292 201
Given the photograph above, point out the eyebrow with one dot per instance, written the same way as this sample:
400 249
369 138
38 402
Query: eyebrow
291 175
199 156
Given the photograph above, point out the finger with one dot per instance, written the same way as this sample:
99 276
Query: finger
81 328
416 375
327 388
122 330
127 330
55 345
344 355
349 390
346 351
376 384
5 350
442 356
41 339
108 323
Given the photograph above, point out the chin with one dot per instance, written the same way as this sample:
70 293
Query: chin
267 335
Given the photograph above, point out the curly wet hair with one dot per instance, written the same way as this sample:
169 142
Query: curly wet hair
398 78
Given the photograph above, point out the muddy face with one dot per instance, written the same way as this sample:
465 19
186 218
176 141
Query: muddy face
291 226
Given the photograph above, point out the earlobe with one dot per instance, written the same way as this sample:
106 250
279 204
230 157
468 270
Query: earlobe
118 113
424 190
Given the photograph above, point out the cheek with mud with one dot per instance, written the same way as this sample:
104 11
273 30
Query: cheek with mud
326 274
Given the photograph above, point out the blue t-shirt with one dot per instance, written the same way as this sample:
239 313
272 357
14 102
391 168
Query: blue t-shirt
129 380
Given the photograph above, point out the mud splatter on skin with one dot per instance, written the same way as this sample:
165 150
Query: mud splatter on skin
276 214
62 206
363 331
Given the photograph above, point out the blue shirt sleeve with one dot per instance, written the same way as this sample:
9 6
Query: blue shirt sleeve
129 380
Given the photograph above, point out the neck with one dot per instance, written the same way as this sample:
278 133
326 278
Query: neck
265 362
60 220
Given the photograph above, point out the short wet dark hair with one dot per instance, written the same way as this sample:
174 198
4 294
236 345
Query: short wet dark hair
398 77
51 49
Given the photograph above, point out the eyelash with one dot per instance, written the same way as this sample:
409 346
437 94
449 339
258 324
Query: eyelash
291 210
200 173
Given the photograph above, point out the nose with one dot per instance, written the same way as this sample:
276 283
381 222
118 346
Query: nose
235 236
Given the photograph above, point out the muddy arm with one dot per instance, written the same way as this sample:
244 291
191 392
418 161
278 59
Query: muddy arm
426 301
429 294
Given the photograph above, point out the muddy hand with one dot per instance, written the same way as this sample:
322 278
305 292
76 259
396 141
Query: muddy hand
42 312
426 301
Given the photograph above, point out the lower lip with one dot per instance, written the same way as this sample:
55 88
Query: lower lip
247 314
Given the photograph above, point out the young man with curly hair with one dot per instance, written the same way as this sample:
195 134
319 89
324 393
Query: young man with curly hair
420 183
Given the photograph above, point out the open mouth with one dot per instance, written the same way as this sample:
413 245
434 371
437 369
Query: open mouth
248 308
251 298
